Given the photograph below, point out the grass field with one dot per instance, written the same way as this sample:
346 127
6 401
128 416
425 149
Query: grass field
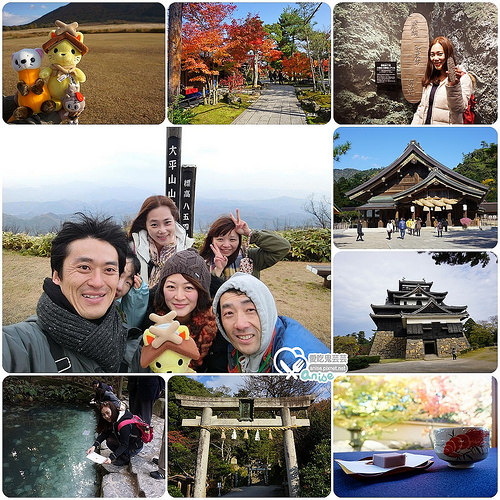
125 72
299 293
221 113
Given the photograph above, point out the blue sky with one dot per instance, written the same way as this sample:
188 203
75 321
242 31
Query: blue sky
375 147
270 12
16 13
363 278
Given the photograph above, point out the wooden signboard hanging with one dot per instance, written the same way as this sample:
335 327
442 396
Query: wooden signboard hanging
414 48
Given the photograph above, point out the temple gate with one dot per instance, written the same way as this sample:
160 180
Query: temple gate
246 406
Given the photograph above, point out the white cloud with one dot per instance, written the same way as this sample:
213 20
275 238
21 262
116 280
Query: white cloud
9 19
234 162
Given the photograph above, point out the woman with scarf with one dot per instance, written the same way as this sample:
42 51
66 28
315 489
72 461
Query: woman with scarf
156 235
224 254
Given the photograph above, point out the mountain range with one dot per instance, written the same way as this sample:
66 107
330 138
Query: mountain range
103 12
42 217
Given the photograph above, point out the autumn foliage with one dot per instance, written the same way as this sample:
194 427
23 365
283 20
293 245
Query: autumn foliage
178 438
297 65
211 45
204 47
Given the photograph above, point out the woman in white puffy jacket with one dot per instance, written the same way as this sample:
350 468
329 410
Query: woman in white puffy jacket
443 100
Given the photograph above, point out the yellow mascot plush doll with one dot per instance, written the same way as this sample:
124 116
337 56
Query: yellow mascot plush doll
168 348
64 50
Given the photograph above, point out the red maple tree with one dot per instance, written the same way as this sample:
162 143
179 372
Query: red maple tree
250 43
297 66
204 42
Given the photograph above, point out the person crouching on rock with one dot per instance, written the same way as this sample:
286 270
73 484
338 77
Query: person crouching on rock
124 442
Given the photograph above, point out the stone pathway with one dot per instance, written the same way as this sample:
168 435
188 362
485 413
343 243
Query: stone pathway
455 238
256 491
134 481
277 105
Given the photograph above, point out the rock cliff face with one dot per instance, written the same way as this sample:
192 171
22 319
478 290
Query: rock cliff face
365 33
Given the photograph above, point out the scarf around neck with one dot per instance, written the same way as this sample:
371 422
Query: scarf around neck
103 341
158 259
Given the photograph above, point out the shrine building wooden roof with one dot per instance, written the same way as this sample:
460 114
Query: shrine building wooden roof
411 172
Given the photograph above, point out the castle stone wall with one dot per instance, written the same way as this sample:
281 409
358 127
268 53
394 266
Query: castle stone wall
415 349
387 346
444 346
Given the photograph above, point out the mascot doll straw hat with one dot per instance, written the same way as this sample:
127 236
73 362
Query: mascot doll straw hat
66 32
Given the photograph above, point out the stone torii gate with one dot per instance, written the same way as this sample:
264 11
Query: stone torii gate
247 406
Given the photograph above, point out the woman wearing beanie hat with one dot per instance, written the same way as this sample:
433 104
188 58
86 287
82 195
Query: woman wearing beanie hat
183 287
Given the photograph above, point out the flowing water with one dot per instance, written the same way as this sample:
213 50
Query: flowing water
44 452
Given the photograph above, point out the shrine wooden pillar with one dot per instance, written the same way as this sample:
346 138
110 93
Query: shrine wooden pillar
428 219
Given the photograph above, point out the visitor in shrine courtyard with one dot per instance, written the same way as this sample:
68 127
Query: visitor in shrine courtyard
247 317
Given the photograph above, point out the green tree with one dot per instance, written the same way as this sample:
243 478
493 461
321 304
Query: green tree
361 338
346 344
481 165
481 336
315 476
461 258
371 403
289 24
275 387
481 333
339 149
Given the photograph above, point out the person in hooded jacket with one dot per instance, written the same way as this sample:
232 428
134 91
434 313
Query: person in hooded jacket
260 340
125 442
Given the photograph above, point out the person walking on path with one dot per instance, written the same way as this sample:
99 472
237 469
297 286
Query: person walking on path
439 228
454 353
402 227
359 228
390 228
418 226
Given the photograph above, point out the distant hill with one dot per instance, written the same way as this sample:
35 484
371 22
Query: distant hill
348 173
104 12
43 217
